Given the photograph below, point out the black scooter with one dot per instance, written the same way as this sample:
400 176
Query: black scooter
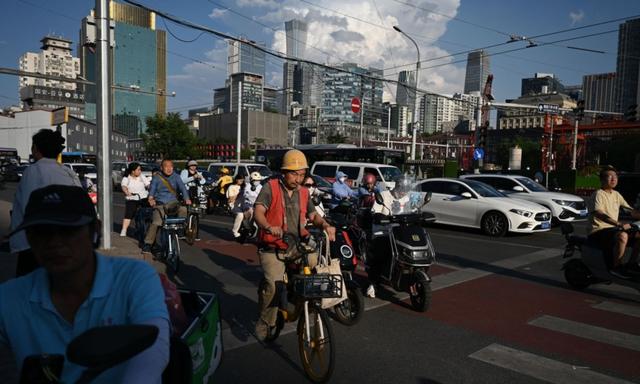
411 249
589 267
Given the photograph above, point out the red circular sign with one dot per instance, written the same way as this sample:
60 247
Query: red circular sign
355 105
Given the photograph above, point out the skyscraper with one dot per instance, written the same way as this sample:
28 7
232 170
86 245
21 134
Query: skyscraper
54 59
296 35
406 95
478 70
139 65
541 83
599 90
244 58
628 65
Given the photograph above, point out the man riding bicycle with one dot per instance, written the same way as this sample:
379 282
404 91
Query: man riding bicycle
192 179
163 196
283 206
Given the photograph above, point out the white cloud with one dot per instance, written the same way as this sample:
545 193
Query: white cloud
217 12
258 3
334 38
576 17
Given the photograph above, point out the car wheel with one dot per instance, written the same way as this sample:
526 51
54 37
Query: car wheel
495 224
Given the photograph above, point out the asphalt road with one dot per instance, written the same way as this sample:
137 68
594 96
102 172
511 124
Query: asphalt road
501 313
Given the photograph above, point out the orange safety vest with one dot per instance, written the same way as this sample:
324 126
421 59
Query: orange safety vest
275 215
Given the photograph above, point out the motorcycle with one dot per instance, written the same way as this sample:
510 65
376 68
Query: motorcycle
410 246
590 266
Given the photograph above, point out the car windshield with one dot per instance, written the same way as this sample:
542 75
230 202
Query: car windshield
262 169
322 182
146 167
482 189
85 169
390 173
531 185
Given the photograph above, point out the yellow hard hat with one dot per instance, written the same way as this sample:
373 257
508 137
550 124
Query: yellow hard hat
224 170
294 160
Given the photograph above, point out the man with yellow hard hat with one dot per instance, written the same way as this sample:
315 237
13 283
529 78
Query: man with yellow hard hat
282 206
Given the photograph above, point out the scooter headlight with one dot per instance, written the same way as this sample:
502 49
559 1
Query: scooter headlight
346 251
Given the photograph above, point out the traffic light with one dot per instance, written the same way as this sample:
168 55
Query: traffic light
579 110
632 113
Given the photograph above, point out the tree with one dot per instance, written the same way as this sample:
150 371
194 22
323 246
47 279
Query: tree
170 137
336 139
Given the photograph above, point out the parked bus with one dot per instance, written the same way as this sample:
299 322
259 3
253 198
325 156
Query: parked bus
335 152
79 157
9 155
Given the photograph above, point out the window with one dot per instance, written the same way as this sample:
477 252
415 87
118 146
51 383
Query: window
325 170
451 188
499 183
433 186
352 172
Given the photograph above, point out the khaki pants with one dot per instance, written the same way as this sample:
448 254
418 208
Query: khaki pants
159 212
274 271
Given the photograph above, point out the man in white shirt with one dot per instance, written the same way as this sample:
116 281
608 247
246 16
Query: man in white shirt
46 146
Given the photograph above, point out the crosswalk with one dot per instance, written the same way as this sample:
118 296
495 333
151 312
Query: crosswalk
551 369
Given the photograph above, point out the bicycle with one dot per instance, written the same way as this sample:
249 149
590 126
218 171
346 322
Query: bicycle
197 208
168 240
306 291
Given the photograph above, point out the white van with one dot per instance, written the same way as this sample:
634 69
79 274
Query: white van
245 169
355 172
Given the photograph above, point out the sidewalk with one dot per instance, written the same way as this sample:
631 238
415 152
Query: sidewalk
128 247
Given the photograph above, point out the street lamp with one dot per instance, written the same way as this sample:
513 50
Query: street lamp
415 107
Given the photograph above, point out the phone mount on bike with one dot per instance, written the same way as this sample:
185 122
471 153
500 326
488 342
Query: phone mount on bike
101 348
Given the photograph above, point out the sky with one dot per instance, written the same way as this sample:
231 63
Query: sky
351 31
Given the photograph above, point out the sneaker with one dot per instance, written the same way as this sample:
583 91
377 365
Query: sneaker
146 249
620 272
123 233
197 239
262 330
236 234
371 291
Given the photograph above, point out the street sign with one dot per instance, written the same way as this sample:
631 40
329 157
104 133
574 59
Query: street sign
355 105
548 108
478 154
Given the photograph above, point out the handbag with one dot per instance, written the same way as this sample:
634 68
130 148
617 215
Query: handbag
330 266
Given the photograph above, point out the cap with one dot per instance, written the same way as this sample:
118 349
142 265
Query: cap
63 205
192 162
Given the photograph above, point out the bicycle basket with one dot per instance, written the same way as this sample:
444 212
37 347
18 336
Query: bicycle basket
318 286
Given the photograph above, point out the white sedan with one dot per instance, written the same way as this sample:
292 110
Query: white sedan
470 203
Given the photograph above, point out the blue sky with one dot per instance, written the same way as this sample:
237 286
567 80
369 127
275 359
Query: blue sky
353 30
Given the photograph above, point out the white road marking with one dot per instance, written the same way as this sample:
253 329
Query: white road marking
587 331
541 368
624 309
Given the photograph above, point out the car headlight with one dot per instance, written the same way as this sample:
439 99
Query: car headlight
564 203
521 212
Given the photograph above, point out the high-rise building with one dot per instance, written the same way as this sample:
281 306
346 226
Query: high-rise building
599 92
252 91
341 87
478 70
435 110
406 95
54 59
221 100
541 83
244 58
628 65
296 41
400 120
270 99
307 84
138 71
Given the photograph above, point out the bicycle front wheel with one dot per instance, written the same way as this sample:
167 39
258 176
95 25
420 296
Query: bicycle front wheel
191 232
315 343
173 252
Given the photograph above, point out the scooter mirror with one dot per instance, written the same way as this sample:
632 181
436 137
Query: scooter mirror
379 198
427 198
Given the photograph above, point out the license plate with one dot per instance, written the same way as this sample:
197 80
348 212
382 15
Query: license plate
545 225
583 213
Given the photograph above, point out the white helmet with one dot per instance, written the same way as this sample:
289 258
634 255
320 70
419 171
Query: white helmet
255 176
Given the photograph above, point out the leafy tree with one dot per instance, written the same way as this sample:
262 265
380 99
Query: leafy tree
170 137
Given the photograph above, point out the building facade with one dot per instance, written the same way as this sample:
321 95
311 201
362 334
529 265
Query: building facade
296 41
435 110
478 69
406 95
55 59
42 97
252 91
139 68
599 92
541 83
270 127
244 58
520 118
628 65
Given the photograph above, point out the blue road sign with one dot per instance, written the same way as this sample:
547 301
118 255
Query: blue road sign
478 153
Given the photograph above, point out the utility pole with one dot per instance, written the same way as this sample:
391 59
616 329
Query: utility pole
239 133
103 121
389 128
549 154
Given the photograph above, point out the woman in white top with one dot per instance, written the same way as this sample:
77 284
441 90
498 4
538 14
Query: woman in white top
134 185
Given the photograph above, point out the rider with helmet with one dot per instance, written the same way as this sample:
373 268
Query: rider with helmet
193 180
367 190
224 179
379 251
246 201
283 206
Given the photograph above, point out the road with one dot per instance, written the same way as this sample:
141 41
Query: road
501 313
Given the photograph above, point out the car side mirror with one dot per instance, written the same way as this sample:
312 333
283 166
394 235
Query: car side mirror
518 188
466 195
379 198
427 198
